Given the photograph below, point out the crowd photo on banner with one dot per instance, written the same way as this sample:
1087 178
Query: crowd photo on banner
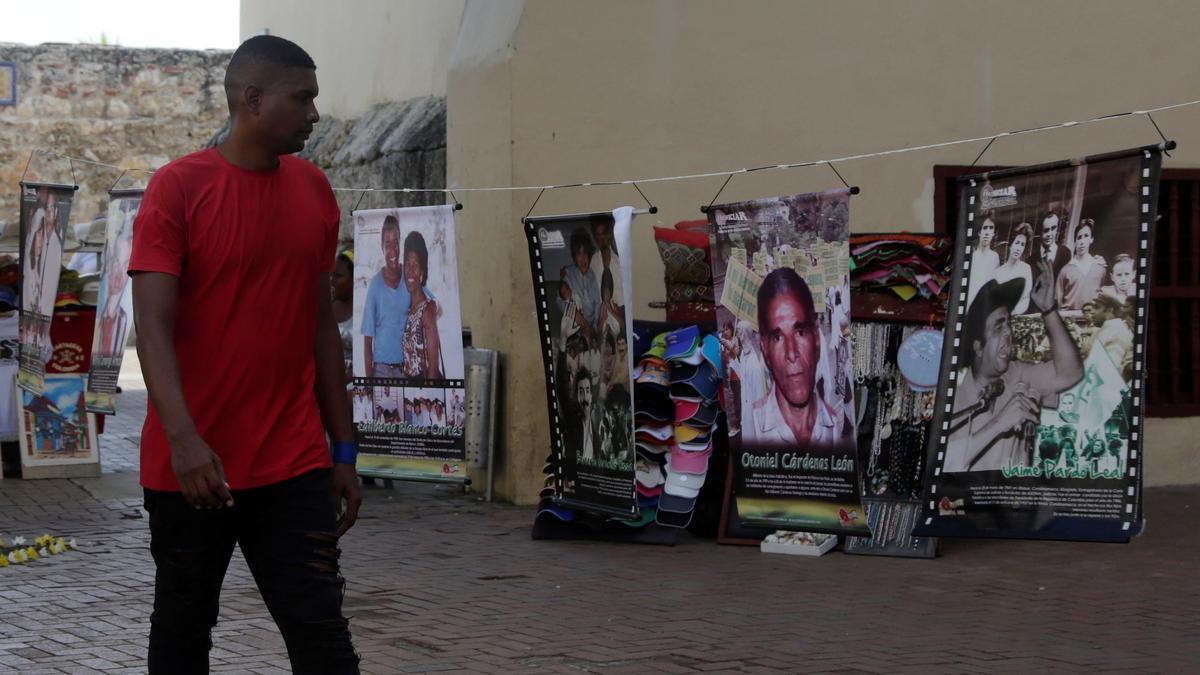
781 270
1043 386
586 296
407 390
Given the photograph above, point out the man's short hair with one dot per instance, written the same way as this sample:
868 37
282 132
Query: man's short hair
580 239
784 280
261 51
390 222
581 375
1122 258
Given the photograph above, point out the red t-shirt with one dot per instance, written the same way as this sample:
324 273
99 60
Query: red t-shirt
249 248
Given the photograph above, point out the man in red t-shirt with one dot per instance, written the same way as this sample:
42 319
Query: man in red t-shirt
232 252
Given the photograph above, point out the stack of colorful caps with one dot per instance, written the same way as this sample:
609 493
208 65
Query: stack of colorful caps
548 509
546 506
653 418
694 363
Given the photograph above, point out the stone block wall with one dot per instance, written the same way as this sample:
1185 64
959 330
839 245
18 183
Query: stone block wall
129 107
145 107
394 144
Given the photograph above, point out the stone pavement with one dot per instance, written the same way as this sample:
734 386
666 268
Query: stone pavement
439 581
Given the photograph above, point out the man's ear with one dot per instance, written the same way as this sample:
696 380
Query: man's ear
252 98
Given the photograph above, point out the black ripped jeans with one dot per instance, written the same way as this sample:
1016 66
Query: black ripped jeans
288 534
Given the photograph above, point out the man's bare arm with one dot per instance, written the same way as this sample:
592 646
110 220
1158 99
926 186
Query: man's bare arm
335 411
330 369
1064 355
199 471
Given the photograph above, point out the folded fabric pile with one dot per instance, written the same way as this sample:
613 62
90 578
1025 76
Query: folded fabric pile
687 271
908 265
675 412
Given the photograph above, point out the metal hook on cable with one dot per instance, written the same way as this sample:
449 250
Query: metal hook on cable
361 195
535 202
852 188
1161 135
704 209
118 180
985 149
651 208
27 163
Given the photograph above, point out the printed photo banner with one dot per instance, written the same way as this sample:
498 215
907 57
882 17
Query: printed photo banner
45 210
583 290
781 268
56 428
1038 422
114 302
407 391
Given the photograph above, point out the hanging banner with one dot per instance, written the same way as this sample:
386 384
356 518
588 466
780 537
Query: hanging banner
114 303
10 321
407 391
582 280
45 210
782 273
1038 422
55 426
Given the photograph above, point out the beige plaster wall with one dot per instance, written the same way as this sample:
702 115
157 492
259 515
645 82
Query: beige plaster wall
128 107
545 91
1172 451
493 263
367 51
622 89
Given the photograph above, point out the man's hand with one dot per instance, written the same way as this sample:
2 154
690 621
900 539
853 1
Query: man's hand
1016 413
581 321
1042 294
346 496
200 474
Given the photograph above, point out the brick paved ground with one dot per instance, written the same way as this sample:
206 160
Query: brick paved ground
441 582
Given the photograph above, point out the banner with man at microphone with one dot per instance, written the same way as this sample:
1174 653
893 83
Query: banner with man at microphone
1037 428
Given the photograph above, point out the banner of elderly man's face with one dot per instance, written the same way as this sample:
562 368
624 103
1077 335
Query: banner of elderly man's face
1038 423
582 286
781 268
